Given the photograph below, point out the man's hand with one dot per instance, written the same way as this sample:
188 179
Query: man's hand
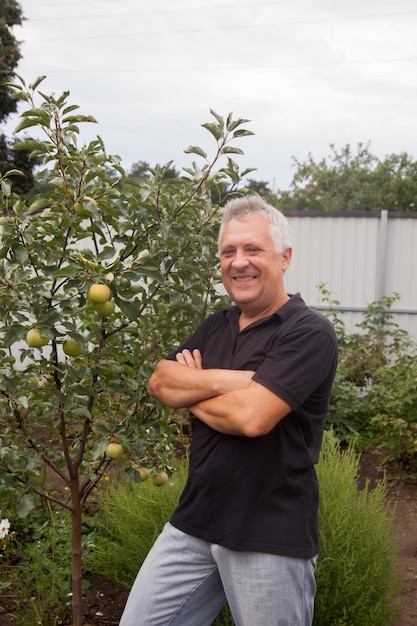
190 359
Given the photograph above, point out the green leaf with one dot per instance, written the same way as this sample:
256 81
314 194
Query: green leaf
38 204
99 448
31 144
76 119
218 117
27 504
21 254
214 129
102 429
132 275
231 150
243 133
41 115
14 173
196 150
151 272
13 333
68 109
25 123
6 188
248 170
66 271
107 253
231 124
37 82
130 309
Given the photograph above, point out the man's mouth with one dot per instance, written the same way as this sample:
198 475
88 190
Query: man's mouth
243 279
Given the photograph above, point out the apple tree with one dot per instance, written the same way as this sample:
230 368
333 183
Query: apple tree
100 276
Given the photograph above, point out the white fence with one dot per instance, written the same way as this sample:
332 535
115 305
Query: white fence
360 257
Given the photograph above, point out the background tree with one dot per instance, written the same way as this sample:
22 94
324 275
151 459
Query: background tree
25 185
10 16
74 361
142 171
348 181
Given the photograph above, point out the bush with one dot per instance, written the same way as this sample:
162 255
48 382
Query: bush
373 398
132 516
357 577
357 581
393 404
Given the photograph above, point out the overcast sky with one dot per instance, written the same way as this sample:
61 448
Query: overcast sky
307 73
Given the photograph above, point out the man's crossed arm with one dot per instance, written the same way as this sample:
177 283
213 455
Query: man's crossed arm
228 401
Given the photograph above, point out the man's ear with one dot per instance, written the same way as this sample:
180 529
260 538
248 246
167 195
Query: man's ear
286 259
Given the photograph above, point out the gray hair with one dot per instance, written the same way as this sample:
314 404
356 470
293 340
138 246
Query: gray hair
242 208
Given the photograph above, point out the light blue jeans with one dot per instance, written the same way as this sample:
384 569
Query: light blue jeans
185 581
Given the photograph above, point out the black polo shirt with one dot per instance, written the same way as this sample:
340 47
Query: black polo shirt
261 494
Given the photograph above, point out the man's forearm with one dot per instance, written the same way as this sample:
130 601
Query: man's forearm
177 385
250 412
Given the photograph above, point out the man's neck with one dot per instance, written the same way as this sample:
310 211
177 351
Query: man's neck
249 315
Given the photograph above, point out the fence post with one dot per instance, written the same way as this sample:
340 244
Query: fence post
382 256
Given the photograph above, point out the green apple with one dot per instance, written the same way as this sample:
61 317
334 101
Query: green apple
144 474
81 210
34 339
106 309
114 451
98 294
159 479
90 199
71 347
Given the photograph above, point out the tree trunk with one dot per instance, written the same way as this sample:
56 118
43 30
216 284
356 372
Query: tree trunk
76 560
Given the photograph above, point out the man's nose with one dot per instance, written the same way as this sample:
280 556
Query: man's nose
240 260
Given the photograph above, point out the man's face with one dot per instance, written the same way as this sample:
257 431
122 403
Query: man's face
251 268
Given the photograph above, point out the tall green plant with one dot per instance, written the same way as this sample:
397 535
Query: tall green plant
357 574
152 242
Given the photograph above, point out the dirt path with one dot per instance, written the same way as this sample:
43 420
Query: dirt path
403 497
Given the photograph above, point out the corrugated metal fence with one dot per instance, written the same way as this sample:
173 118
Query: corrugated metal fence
360 256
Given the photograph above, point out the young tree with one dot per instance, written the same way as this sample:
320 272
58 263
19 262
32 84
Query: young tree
99 277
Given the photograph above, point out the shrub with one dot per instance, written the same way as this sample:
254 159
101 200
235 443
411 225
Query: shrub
357 577
357 580
393 405
132 516
374 393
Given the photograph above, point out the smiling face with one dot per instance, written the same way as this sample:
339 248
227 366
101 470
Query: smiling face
251 268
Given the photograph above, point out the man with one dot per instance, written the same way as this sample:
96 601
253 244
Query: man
258 378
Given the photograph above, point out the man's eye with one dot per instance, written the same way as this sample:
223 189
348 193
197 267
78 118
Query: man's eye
227 253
